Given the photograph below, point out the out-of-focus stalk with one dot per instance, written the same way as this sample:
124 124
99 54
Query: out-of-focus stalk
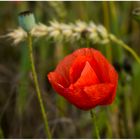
107 25
114 20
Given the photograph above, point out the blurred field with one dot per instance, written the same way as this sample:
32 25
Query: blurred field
20 115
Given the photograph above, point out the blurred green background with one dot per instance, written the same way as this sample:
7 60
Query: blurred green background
20 115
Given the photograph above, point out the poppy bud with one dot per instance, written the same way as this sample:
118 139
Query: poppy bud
26 20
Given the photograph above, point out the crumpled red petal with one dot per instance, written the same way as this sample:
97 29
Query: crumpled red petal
102 66
90 97
88 77
77 67
64 66
78 98
113 79
110 75
98 94
58 83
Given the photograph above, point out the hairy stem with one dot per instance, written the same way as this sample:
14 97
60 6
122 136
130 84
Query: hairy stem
93 116
44 115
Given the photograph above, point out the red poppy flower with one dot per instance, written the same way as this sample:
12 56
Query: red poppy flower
85 78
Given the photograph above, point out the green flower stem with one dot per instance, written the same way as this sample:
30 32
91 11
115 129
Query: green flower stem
44 115
93 116
122 44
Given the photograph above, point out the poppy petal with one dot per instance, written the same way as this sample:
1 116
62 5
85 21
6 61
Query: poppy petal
88 77
84 52
102 66
99 93
77 67
78 97
64 66
58 82
98 62
114 79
